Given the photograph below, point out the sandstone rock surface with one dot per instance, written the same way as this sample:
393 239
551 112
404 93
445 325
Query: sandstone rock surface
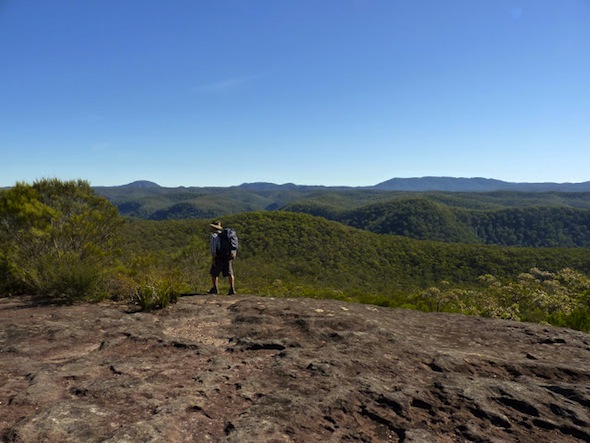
249 369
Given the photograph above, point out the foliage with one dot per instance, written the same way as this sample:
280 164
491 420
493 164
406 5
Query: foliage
286 254
180 203
425 218
417 218
533 226
57 239
155 279
156 294
561 298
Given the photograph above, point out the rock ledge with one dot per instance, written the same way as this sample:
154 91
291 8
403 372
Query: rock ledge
249 369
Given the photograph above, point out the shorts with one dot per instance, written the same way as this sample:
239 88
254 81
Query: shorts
221 266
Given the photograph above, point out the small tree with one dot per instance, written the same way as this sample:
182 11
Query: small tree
57 239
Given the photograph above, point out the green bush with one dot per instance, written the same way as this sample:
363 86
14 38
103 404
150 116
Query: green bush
151 282
577 319
71 279
157 293
57 239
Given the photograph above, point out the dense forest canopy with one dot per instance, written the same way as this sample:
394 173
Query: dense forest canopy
507 218
289 254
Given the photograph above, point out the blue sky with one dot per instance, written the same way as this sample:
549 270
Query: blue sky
326 92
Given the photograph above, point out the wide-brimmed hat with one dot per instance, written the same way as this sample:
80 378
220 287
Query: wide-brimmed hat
216 225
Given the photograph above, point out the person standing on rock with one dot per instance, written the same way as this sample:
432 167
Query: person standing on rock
224 245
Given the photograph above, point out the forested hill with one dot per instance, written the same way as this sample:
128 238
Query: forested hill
280 247
508 218
425 218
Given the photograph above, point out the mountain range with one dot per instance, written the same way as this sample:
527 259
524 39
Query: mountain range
418 184
476 184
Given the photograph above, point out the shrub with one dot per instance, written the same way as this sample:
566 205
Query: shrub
157 293
56 239
150 282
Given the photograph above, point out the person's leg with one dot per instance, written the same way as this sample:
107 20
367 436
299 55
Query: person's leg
213 289
228 271
214 278
231 279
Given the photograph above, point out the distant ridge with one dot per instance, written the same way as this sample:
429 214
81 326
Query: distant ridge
448 184
475 184
412 184
261 186
265 186
142 184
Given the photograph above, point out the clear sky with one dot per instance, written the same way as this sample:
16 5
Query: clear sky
317 92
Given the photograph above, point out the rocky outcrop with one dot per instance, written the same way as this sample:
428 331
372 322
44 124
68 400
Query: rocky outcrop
249 369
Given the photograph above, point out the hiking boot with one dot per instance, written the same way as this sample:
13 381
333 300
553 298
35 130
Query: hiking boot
232 291
213 290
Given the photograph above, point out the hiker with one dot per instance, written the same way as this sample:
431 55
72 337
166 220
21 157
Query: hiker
223 245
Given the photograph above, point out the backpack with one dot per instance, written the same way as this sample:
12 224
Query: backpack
228 242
